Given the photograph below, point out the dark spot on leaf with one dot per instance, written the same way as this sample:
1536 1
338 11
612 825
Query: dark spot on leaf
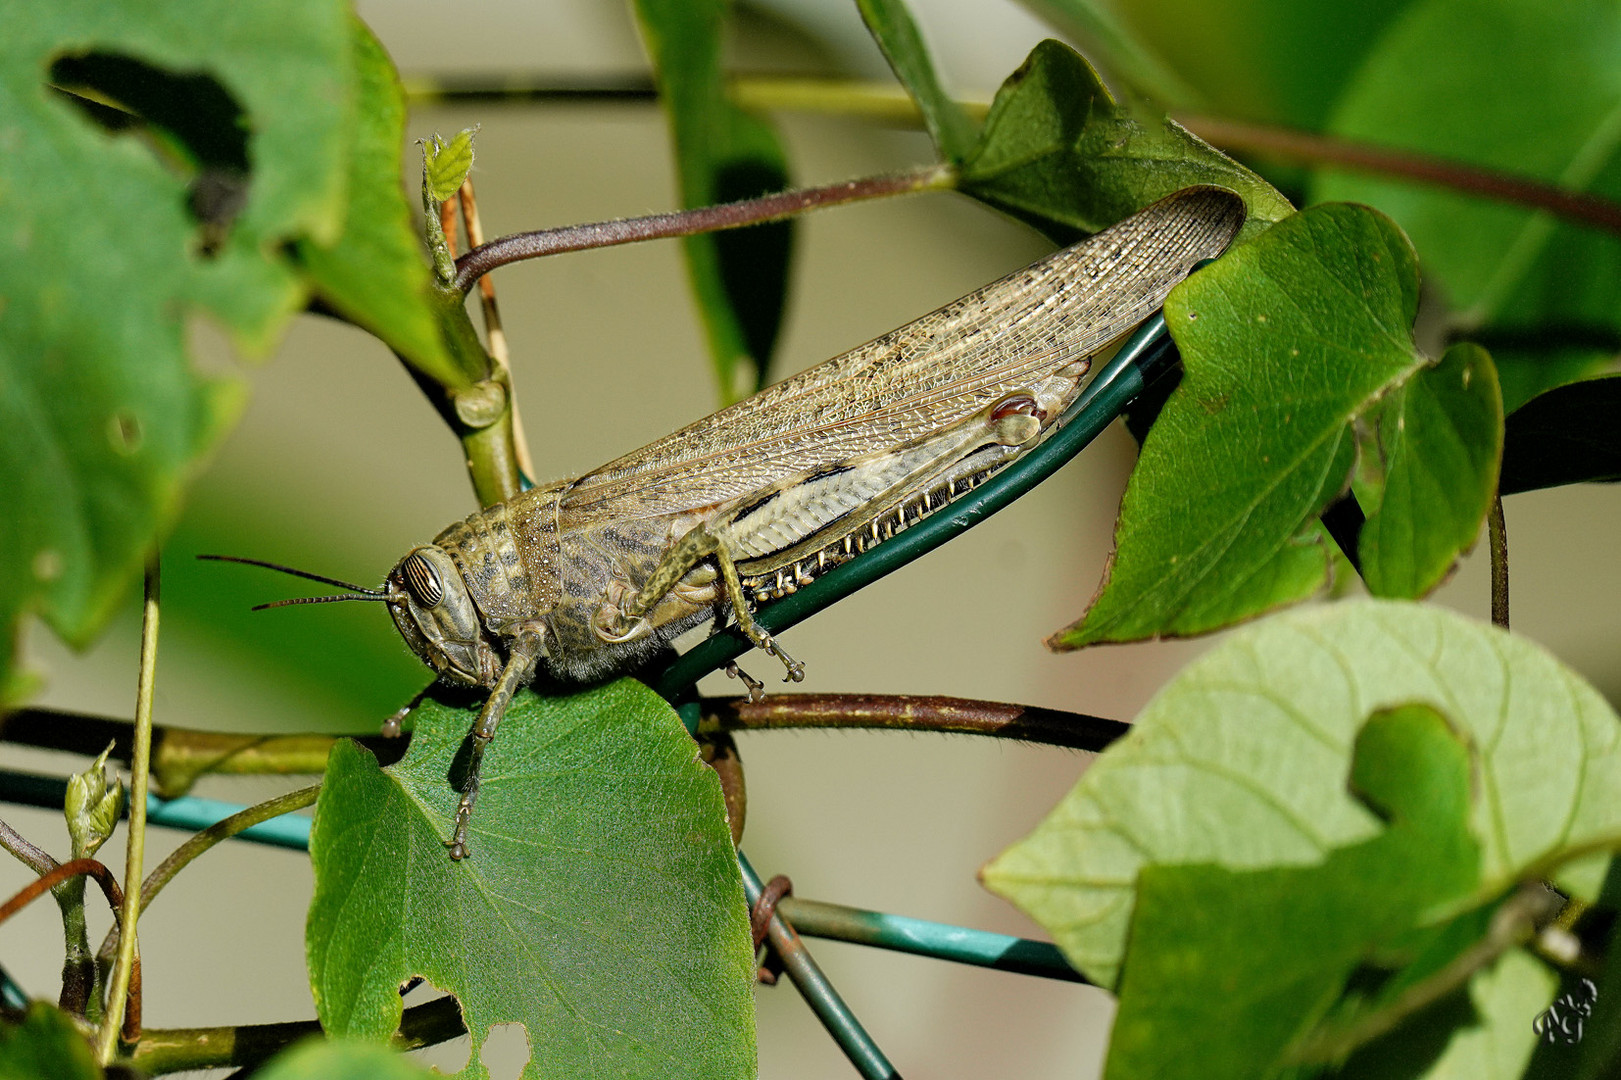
124 432
192 124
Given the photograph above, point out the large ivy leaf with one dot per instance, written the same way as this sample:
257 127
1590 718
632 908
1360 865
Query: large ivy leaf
45 1043
374 274
1276 946
601 908
1566 436
114 242
1285 341
1427 473
1517 85
1241 760
723 154
893 27
1058 152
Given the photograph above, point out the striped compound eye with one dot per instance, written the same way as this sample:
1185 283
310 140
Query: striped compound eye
422 581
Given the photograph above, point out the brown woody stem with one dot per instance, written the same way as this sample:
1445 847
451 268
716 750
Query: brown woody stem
1311 149
904 712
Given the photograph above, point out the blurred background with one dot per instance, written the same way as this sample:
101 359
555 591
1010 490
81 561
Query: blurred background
339 466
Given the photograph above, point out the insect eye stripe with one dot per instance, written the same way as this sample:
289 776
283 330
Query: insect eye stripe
423 581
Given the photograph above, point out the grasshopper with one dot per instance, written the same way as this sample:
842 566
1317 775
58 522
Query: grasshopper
593 576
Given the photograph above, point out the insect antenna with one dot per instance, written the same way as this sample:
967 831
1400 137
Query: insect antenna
319 600
373 594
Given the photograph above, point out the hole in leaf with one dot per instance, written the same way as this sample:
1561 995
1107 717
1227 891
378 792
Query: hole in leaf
451 1056
191 123
505 1051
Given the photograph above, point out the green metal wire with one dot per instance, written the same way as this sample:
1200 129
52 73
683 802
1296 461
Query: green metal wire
920 937
819 994
1144 356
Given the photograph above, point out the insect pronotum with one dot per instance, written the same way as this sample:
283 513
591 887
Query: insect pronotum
592 576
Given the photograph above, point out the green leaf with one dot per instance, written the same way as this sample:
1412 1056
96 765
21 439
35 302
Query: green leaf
1525 372
892 26
118 241
723 154
374 274
445 162
45 1044
1275 61
1057 151
1427 473
1567 436
1284 341
602 906
1275 946
1484 1030
1240 761
1515 85
1103 33
341 1061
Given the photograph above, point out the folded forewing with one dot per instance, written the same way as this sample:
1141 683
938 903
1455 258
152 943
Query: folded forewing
1010 334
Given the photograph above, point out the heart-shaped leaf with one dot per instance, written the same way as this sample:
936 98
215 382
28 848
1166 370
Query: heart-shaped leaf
1241 760
602 907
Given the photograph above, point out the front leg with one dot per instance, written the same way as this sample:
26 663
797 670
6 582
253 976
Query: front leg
622 621
527 648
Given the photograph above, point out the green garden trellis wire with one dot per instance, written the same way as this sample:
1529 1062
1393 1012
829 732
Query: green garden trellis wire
1145 356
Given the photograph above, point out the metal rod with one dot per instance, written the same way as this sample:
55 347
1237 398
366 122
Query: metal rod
920 937
1147 354
819 994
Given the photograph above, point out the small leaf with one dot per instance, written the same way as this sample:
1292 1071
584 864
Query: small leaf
93 806
1057 151
602 906
341 1061
723 154
45 1044
1284 341
120 240
1567 436
1276 946
374 274
1428 473
446 163
1240 761
893 27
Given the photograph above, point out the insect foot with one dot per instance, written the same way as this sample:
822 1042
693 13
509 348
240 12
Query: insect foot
755 687
796 670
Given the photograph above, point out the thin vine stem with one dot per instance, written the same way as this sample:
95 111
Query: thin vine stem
533 245
1311 149
887 103
35 858
119 985
207 838
1497 530
92 868
495 335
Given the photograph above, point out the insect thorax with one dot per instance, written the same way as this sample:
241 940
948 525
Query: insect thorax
508 556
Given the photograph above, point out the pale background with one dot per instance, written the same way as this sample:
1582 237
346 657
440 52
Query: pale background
608 356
